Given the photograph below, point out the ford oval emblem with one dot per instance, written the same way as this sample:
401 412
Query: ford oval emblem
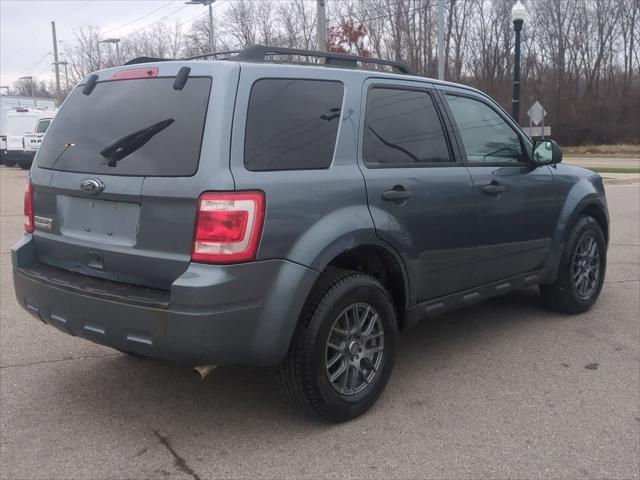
92 186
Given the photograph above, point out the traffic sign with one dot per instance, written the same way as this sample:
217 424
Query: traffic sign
537 113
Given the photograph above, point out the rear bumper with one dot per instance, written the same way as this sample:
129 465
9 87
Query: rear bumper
232 314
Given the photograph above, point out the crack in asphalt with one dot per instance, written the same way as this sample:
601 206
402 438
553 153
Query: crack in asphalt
623 281
179 462
59 360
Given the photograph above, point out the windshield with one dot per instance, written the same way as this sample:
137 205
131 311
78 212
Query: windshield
141 127
43 125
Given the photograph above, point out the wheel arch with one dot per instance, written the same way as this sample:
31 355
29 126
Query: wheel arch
368 254
583 199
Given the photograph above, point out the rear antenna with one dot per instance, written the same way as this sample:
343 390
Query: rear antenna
181 78
90 85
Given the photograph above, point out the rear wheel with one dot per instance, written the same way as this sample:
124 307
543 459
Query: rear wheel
343 349
581 271
25 164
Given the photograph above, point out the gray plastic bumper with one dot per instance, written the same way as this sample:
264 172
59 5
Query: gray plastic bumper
214 314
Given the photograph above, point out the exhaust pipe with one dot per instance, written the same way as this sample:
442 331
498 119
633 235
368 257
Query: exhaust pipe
203 370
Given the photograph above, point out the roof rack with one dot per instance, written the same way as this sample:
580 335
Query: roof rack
260 53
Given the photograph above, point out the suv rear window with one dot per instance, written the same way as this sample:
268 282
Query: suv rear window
292 124
137 127
402 129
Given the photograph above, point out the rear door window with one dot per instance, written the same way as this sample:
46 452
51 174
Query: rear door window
292 124
403 129
140 127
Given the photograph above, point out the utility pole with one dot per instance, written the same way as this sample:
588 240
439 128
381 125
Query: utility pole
57 65
322 26
211 27
441 39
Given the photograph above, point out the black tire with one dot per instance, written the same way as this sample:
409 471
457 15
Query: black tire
304 376
25 165
10 163
563 294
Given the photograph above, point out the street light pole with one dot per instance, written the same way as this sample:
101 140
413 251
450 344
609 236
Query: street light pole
209 3
111 41
322 25
440 39
518 15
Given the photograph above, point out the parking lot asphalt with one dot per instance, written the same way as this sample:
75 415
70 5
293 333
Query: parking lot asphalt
502 389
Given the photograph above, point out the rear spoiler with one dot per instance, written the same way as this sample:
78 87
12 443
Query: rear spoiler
137 60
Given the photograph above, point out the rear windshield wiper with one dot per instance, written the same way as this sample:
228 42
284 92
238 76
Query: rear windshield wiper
116 151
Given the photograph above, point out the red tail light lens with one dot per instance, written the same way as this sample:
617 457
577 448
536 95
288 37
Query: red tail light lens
228 227
28 208
131 73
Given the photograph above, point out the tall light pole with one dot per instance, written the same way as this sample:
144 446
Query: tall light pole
209 4
112 41
441 39
322 25
55 59
30 78
518 15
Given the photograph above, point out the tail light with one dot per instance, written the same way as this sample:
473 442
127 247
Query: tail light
28 208
228 227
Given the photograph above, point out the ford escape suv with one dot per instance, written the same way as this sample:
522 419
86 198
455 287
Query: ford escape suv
249 210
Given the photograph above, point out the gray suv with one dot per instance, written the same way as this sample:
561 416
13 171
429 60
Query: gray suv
253 210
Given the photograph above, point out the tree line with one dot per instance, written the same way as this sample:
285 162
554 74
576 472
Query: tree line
580 57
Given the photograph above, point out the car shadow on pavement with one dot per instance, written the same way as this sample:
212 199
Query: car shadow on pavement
154 395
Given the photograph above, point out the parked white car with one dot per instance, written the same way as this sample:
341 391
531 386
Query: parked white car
15 124
32 141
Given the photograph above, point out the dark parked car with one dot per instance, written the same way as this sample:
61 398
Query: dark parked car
242 211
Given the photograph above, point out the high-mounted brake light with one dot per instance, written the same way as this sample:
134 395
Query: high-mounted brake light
228 227
28 208
132 73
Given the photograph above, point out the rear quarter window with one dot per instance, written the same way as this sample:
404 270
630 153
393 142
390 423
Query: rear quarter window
292 124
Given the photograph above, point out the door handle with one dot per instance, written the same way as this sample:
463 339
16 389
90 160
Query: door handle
494 188
397 194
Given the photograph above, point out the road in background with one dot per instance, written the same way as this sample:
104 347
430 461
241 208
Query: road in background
603 162
502 389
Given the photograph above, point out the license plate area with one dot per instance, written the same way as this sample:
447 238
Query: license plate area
104 221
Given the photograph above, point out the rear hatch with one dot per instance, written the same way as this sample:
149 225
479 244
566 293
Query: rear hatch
117 177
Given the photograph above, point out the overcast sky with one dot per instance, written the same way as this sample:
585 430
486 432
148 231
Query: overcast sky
26 46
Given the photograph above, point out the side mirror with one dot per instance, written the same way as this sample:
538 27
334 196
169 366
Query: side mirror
546 152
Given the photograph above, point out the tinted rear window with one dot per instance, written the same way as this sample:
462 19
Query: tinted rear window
403 129
292 124
95 133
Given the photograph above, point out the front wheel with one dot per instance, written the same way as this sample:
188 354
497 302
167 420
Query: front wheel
343 349
581 271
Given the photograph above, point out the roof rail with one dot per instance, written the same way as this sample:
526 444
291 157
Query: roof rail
259 53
